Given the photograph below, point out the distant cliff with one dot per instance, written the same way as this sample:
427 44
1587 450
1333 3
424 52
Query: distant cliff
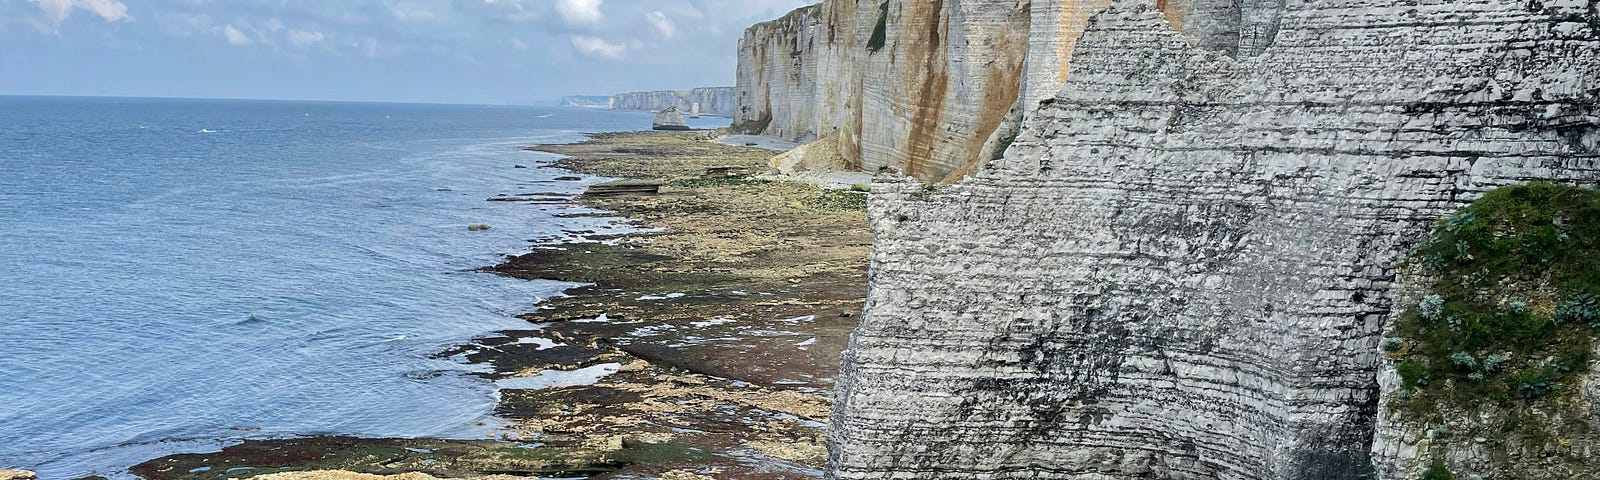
655 101
717 101
711 100
586 101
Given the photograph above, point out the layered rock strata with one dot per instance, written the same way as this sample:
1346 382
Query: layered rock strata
1183 265
651 101
712 101
669 119
912 85
932 89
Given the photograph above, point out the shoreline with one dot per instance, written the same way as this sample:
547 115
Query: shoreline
704 342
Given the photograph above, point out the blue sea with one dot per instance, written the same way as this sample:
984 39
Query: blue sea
177 275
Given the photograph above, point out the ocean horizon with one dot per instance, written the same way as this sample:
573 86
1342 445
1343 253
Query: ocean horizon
183 274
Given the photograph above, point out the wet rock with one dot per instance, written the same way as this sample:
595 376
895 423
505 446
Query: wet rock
17 475
478 227
722 171
568 178
624 187
519 166
669 119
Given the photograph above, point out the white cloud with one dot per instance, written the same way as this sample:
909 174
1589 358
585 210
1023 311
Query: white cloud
580 11
662 24
368 47
235 36
301 38
185 24
59 10
598 47
519 44
510 10
413 15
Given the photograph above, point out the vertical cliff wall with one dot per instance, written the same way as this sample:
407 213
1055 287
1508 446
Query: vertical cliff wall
933 89
651 101
713 100
775 81
920 86
1182 266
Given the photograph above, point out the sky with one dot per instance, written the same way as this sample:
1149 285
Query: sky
432 51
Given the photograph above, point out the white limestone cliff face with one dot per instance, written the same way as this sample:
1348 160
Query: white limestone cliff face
943 94
713 100
586 101
655 101
925 102
776 76
1183 265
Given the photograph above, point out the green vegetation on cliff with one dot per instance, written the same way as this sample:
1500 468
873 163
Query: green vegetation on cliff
880 32
1510 317
1438 472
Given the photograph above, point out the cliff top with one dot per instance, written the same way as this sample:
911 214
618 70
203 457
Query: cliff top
813 10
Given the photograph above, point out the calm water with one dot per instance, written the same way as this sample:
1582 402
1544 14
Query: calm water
177 274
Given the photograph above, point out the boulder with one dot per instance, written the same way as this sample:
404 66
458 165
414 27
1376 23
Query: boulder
670 119
17 475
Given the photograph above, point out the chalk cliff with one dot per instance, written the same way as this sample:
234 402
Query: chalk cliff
655 101
931 89
712 100
1184 263
586 101
918 86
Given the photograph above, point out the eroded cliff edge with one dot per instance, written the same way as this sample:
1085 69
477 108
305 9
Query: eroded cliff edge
918 86
1184 264
934 89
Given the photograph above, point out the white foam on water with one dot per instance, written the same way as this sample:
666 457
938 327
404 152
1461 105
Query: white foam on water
668 296
543 343
600 319
561 378
712 322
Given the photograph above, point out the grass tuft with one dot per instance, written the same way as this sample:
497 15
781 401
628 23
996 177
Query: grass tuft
1514 308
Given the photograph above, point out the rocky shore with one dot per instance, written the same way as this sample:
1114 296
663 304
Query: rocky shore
704 345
